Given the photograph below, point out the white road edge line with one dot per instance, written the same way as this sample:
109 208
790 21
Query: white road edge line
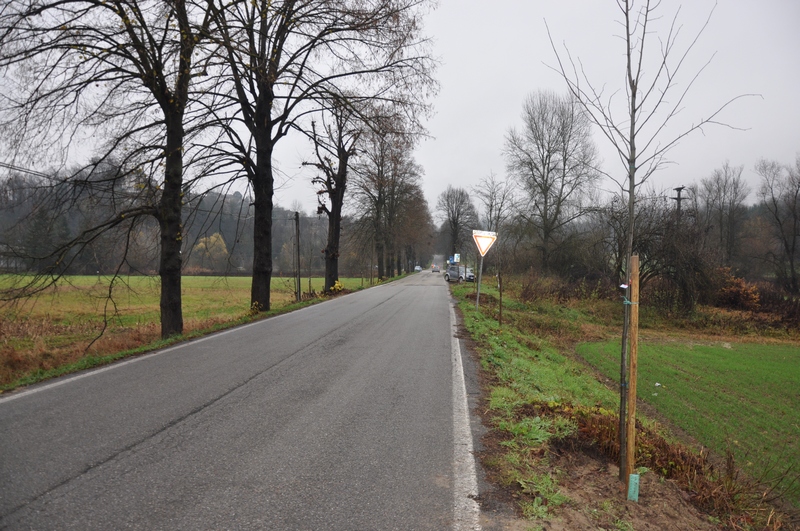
466 511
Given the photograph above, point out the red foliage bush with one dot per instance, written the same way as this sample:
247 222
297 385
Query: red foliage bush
734 293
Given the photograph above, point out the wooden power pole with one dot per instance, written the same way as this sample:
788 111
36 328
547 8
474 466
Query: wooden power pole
299 293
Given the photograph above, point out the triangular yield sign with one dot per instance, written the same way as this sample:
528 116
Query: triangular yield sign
484 240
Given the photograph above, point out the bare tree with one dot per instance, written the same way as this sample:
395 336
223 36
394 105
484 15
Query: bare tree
333 148
637 131
723 195
417 230
497 198
385 176
372 174
282 58
653 98
780 194
123 69
459 216
553 159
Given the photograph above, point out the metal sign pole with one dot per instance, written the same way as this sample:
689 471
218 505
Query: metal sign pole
478 295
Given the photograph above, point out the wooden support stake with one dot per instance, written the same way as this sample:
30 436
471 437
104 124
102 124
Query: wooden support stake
633 366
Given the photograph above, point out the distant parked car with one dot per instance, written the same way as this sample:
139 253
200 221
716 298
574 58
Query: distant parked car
459 273
435 268
417 268
470 275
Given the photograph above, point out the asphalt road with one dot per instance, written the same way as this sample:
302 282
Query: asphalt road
347 415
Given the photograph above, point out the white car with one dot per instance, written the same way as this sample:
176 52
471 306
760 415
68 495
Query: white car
418 269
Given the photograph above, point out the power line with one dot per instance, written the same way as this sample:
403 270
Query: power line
24 170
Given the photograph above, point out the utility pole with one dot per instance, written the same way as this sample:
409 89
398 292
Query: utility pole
678 199
297 254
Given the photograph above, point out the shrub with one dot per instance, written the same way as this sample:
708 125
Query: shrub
777 301
536 287
734 293
661 295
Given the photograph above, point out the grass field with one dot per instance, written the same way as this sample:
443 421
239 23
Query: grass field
60 329
738 396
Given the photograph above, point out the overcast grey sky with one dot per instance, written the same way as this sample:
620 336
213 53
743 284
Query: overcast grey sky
495 53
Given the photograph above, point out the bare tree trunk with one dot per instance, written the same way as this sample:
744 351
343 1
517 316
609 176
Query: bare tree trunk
170 272
545 257
169 218
379 254
334 234
389 261
262 227
623 374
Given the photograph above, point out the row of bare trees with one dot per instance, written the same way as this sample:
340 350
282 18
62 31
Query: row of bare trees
684 238
549 215
217 238
190 96
390 210
553 171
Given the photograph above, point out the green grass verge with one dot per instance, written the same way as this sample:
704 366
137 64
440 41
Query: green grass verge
528 371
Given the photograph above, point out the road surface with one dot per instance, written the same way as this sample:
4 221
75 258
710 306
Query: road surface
346 415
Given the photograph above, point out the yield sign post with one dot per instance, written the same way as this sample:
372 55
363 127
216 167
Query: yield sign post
484 240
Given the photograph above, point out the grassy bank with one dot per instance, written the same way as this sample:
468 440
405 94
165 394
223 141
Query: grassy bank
528 378
542 397
85 321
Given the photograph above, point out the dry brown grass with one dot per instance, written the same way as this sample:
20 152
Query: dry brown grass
48 345
76 320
